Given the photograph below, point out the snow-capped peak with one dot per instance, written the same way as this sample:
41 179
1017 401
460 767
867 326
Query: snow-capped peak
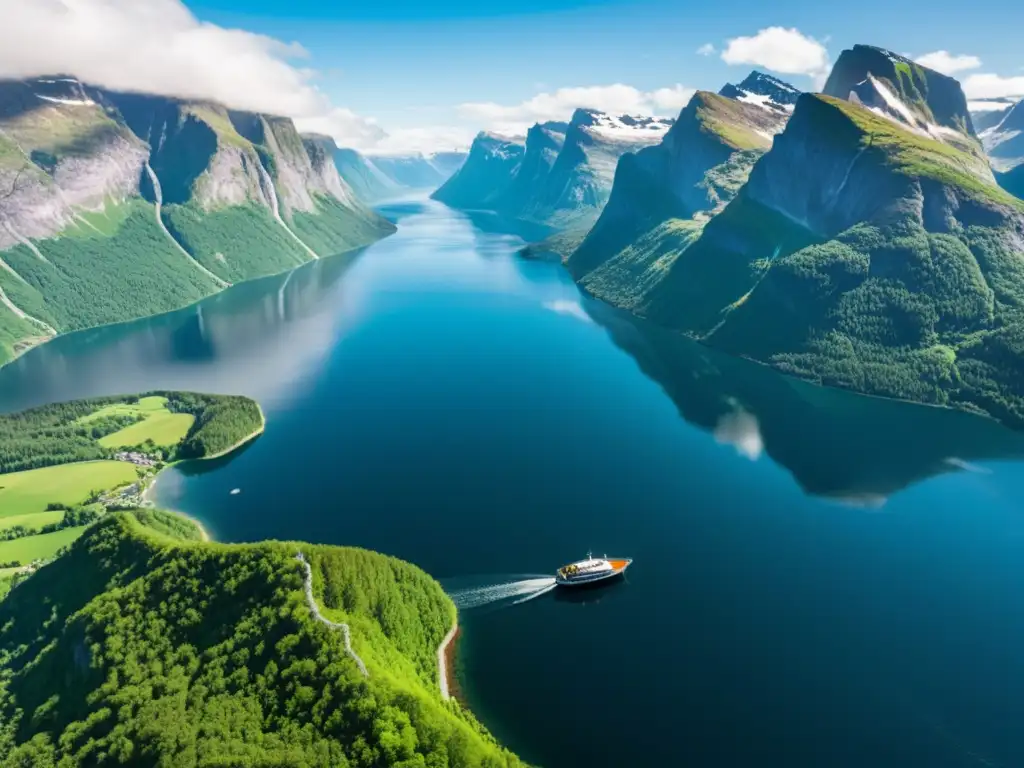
638 128
764 91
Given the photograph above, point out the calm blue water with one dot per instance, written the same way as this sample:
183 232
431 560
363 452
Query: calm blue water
820 579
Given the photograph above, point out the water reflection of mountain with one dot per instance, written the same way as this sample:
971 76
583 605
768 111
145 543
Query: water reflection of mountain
835 443
256 338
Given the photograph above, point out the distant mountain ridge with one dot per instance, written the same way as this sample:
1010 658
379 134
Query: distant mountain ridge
106 189
560 174
1004 140
379 177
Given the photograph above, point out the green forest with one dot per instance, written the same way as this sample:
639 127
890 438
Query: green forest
61 433
91 277
142 647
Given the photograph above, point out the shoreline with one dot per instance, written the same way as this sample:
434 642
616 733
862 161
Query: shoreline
446 662
768 366
42 341
149 490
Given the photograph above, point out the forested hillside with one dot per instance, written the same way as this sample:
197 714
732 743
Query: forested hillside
140 648
120 205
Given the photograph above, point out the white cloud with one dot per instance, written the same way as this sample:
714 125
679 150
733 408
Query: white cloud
425 139
990 86
159 46
948 64
988 106
788 51
707 49
559 105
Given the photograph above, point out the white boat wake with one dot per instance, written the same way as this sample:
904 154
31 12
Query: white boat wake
514 591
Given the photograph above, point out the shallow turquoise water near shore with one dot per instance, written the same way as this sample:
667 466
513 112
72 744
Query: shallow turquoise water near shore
819 578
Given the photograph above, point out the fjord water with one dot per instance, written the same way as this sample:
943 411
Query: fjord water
819 578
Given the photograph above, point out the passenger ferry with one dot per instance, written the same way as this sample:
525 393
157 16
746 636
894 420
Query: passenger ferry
591 570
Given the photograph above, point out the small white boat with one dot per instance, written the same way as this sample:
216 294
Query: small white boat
591 570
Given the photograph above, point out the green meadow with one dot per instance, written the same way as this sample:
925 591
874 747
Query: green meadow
23 493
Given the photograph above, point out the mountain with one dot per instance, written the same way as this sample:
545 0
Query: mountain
870 248
663 194
519 198
144 645
365 179
989 112
896 87
561 175
419 171
489 169
116 206
580 181
763 90
377 177
1004 140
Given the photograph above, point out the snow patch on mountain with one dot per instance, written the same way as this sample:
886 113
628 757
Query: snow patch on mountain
68 102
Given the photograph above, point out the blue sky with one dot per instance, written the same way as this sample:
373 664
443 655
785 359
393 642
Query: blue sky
422 74
410 63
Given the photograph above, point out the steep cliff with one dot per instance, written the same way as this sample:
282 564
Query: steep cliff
489 170
121 205
663 194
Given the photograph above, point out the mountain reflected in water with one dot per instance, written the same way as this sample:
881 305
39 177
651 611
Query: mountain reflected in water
259 339
837 444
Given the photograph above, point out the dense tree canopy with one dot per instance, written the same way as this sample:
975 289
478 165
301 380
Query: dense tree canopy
139 648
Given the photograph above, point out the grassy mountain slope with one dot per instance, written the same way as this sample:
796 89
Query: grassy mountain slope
664 194
865 255
137 647
108 267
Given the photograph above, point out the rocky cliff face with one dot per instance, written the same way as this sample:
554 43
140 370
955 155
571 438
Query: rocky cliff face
489 169
60 150
901 89
194 193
